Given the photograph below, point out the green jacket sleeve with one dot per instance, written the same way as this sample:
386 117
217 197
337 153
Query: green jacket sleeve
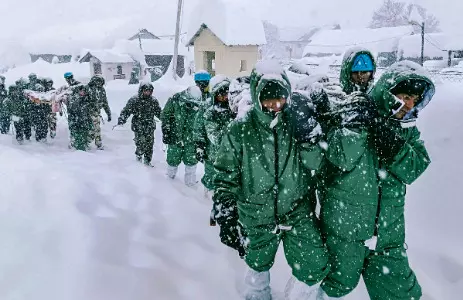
168 111
311 156
346 147
126 111
199 130
227 166
157 109
106 104
412 160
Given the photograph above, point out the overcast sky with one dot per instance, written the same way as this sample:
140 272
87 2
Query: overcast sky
24 17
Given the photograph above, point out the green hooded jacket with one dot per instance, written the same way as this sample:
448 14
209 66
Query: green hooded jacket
143 109
178 116
210 126
347 62
98 95
259 167
358 192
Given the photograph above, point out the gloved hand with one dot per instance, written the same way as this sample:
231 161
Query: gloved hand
167 134
387 141
201 155
304 119
109 118
359 110
226 216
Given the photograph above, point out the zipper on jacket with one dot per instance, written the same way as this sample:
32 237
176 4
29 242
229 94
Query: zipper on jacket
378 210
277 181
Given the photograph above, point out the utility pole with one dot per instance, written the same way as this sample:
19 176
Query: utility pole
177 39
422 43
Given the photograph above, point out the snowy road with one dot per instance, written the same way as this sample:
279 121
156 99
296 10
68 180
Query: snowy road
100 226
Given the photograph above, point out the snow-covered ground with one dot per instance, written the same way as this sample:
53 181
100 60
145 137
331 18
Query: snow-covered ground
98 225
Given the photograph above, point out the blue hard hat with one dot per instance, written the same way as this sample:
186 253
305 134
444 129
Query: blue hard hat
363 63
68 75
202 76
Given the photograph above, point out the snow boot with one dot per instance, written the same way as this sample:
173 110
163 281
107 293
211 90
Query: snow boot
321 295
148 163
190 175
257 285
171 172
298 290
100 147
52 134
138 158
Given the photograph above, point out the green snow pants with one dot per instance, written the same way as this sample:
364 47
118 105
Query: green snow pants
386 270
177 154
303 246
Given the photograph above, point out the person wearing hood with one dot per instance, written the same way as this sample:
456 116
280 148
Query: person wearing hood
210 126
34 82
99 101
48 83
79 117
40 114
17 107
357 71
178 119
263 190
369 164
4 116
69 77
144 108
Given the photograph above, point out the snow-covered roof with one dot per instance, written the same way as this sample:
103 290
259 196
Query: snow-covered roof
232 24
149 47
410 46
107 56
296 34
337 41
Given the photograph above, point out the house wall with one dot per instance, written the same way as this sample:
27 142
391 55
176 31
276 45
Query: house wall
227 58
109 70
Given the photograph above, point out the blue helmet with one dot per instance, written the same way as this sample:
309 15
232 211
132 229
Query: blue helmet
363 63
68 75
202 76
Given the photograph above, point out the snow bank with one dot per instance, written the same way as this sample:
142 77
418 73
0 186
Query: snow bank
42 68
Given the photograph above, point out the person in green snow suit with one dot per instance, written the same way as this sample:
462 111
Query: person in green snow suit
369 165
357 71
79 117
19 108
178 119
210 126
263 181
144 108
98 101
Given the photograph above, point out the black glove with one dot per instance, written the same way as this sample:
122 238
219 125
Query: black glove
109 118
303 113
358 111
388 142
226 215
201 155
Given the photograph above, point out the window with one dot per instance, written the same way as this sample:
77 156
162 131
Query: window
209 62
243 65
119 70
97 68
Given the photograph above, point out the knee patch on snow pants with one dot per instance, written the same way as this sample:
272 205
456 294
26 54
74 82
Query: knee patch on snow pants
303 247
177 154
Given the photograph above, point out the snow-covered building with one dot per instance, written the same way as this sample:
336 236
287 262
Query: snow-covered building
294 40
383 42
144 34
155 54
226 38
108 63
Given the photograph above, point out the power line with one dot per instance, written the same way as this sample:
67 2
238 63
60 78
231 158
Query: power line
429 40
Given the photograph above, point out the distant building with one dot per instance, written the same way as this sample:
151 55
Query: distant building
144 34
110 64
383 42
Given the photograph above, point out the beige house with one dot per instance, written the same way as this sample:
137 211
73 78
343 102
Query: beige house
223 44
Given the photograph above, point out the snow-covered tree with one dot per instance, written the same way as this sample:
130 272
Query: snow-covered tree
55 60
394 13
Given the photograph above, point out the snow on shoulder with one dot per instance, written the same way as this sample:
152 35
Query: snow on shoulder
407 67
268 67
230 22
